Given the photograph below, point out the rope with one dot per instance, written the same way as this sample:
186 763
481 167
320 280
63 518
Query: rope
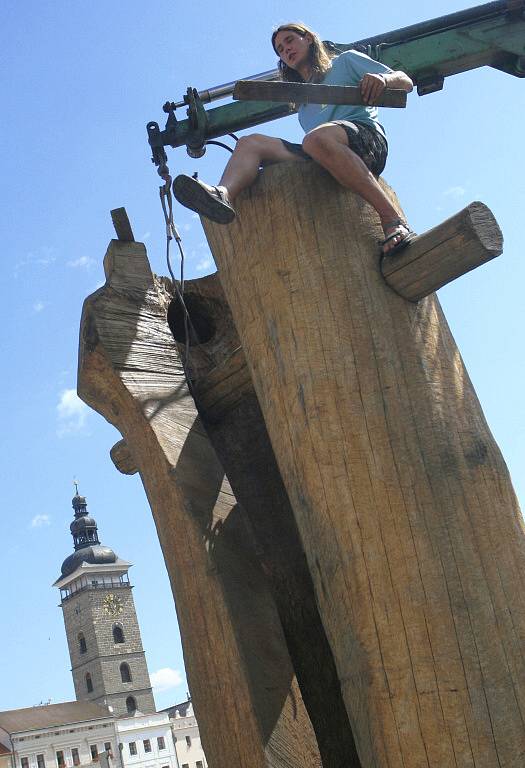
172 233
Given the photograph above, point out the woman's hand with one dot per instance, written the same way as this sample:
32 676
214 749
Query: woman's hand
372 86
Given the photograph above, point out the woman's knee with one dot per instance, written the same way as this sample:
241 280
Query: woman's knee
319 141
253 143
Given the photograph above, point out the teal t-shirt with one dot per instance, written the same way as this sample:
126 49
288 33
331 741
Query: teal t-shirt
347 69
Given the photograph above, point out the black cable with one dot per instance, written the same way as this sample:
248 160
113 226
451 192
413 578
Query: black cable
220 144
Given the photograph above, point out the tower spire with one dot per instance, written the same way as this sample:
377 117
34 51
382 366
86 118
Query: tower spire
83 528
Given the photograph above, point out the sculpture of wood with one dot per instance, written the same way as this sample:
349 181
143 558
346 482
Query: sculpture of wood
365 582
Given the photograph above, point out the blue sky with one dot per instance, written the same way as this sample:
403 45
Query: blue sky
83 79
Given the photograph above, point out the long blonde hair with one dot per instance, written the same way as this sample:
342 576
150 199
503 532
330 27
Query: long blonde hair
319 57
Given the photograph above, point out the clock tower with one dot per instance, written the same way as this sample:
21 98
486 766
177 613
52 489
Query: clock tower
107 658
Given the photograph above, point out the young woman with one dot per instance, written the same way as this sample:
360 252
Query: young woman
348 141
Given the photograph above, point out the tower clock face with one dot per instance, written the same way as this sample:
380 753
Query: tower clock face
112 605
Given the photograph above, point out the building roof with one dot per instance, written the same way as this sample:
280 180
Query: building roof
180 709
88 548
66 713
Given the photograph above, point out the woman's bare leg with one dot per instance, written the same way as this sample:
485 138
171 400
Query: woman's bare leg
328 146
250 152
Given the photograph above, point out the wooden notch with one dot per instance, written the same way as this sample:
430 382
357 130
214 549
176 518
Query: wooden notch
312 93
449 250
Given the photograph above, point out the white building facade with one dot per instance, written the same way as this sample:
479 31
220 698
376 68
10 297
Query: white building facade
186 736
83 733
146 741
59 735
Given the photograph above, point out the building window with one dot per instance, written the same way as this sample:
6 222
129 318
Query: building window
147 745
132 747
94 753
198 764
118 634
185 765
161 744
89 683
131 705
60 759
188 741
25 762
40 761
82 646
74 755
107 748
125 673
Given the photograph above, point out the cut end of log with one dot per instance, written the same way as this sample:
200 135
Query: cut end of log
451 249
122 226
486 227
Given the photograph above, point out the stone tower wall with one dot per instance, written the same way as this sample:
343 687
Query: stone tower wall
84 612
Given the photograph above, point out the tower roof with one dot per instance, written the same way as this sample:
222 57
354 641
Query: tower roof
88 548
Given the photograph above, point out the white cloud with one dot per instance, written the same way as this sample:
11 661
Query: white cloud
166 678
44 257
38 306
72 413
83 262
39 520
204 263
455 191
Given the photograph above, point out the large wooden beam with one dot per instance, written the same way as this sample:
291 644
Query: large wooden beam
407 515
246 697
312 93
451 249
229 411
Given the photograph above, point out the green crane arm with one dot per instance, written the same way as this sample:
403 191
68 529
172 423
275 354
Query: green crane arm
486 35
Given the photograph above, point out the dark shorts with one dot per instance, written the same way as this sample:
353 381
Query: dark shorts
365 141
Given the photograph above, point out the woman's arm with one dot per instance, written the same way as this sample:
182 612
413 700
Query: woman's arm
373 85
399 80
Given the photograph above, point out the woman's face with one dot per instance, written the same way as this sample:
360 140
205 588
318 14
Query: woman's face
292 48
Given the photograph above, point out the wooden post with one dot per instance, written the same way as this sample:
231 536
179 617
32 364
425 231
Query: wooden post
246 697
411 529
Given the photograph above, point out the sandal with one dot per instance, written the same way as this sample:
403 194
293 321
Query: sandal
400 230
203 199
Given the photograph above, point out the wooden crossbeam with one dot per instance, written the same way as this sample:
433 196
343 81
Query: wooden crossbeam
312 93
449 250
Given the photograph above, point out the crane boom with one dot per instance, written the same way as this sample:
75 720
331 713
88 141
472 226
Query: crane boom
492 35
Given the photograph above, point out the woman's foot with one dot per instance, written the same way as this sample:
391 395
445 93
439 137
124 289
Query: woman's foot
397 236
211 202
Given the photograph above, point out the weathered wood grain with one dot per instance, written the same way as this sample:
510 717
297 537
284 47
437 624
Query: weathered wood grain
229 411
411 529
122 458
246 697
122 225
451 249
312 93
